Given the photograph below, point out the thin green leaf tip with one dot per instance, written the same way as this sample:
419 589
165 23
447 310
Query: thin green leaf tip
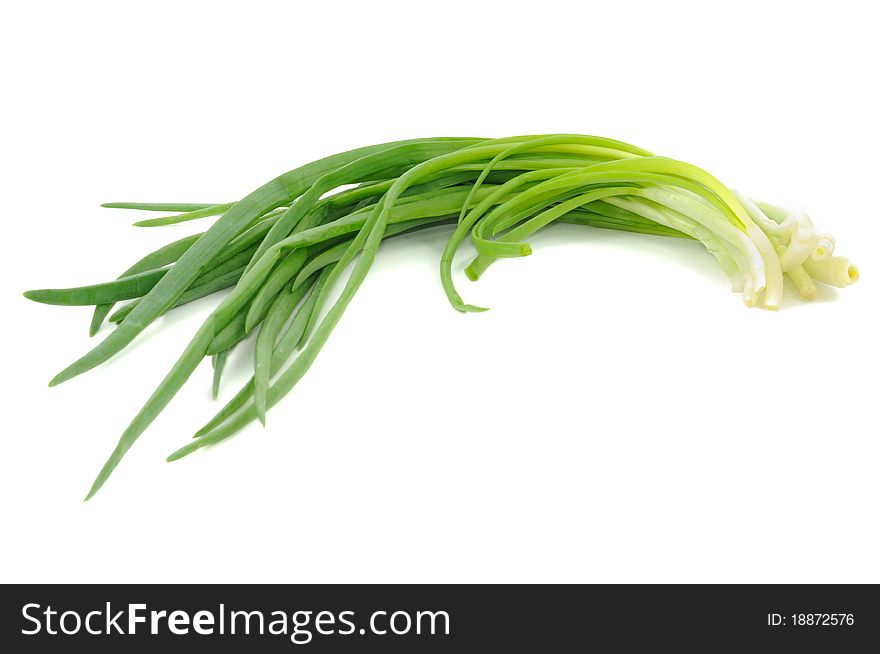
189 448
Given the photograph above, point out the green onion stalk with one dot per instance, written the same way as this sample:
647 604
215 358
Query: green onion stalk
313 233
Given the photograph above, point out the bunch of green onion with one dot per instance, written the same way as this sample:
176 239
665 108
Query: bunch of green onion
284 247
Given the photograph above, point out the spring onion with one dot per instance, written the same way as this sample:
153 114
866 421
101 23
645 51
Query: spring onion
284 248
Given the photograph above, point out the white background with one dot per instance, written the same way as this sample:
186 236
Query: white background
619 416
